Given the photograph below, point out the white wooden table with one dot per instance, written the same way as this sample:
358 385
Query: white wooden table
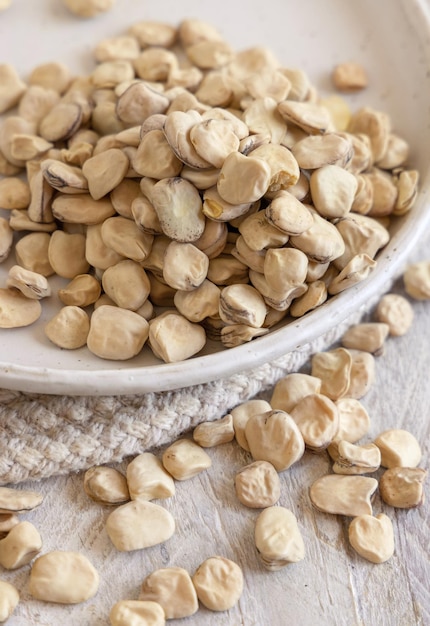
332 586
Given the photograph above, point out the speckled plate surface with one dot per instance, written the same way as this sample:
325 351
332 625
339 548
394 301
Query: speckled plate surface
391 39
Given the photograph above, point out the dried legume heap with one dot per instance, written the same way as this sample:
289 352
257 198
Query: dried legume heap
184 189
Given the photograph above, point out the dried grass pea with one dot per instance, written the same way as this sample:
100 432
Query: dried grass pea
9 599
173 589
219 583
88 8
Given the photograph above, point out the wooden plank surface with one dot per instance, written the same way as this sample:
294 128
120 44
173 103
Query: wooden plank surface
331 586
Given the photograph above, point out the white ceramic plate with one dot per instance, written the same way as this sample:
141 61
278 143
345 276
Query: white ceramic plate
391 39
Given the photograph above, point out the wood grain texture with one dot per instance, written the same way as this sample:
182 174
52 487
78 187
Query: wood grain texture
332 586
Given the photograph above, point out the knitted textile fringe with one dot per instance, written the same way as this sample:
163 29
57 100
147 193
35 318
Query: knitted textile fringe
45 435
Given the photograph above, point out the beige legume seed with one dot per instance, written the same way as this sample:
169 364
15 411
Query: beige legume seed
416 279
31 284
333 189
242 304
185 266
361 234
234 335
199 303
7 168
26 147
209 54
292 388
16 310
97 253
316 151
20 221
147 479
313 118
226 270
192 30
155 158
177 129
12 125
32 253
396 154
333 367
362 373
64 177
173 337
61 122
174 591
219 583
349 76
257 485
262 117
11 87
317 418
66 254
81 209
384 192
280 300
82 290
274 437
184 459
343 495
36 102
154 64
314 297
259 234
399 448
376 125
316 271
6 239
241 415
123 196
126 239
369 337
354 420
69 328
127 284
64 577
321 241
402 487
288 214
14 193
353 459
278 538
20 546
137 613
105 171
116 333
395 311
407 190
9 598
150 33
243 179
139 524
214 89
372 537
53 75
214 140
179 209
123 47
106 485
109 74
210 434
254 259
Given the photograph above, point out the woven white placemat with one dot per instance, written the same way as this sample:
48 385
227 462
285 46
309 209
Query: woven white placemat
45 435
